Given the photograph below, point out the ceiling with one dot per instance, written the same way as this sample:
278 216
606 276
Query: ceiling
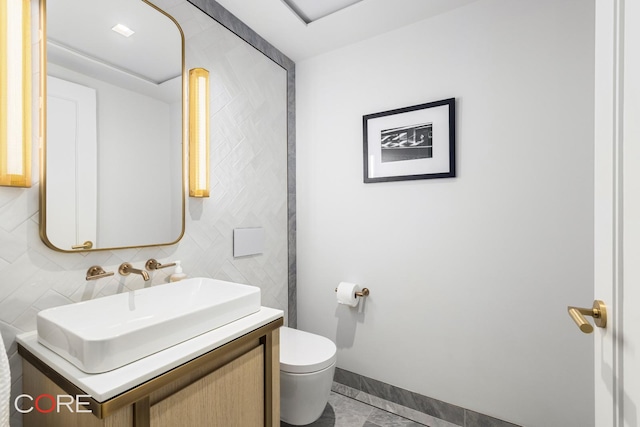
312 10
280 26
82 29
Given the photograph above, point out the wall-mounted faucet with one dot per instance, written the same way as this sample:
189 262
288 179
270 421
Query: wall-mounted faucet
126 269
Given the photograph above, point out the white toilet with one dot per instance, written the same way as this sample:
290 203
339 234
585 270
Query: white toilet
307 364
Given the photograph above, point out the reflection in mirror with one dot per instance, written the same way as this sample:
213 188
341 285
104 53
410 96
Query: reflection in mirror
113 160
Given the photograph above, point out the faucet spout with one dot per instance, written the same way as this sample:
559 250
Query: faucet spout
126 269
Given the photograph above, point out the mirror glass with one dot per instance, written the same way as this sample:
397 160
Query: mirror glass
113 150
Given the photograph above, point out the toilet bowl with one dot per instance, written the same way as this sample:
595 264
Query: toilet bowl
307 364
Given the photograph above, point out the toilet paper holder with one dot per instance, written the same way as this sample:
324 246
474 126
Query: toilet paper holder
363 293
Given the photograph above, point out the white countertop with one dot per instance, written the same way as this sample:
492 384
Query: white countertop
106 385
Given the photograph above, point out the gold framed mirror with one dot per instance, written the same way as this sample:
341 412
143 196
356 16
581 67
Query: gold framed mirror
114 125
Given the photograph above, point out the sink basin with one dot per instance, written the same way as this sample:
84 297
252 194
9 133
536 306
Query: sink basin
106 333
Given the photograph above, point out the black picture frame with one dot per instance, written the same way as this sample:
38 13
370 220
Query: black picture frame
416 142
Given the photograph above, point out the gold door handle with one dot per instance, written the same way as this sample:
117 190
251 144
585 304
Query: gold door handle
598 312
86 245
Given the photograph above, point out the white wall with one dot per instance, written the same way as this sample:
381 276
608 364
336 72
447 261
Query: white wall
470 276
134 138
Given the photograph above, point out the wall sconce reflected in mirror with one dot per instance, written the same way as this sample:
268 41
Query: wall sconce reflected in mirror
15 93
198 132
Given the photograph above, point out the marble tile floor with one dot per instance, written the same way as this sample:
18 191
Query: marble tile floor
343 411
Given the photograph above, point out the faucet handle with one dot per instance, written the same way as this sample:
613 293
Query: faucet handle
96 272
153 264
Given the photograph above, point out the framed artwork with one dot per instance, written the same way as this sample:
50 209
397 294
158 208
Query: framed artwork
409 143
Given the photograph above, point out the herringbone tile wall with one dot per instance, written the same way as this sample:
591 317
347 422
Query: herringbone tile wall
249 188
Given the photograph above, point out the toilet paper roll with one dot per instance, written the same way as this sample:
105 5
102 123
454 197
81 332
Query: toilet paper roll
346 294
5 386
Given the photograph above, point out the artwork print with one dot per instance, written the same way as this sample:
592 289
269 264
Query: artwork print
416 142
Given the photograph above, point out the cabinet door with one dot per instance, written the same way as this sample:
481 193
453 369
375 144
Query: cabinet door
232 396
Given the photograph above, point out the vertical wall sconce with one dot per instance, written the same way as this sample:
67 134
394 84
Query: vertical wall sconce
15 93
198 132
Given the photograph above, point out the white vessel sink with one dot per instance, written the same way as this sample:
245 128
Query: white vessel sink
106 333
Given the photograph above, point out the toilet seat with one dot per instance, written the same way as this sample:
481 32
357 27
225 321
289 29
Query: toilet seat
302 352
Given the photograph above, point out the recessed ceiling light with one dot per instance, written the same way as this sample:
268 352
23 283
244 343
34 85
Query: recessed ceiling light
312 10
123 30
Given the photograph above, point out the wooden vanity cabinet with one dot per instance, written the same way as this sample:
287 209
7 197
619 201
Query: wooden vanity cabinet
236 385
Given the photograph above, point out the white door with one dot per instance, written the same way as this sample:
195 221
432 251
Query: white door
71 163
617 212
